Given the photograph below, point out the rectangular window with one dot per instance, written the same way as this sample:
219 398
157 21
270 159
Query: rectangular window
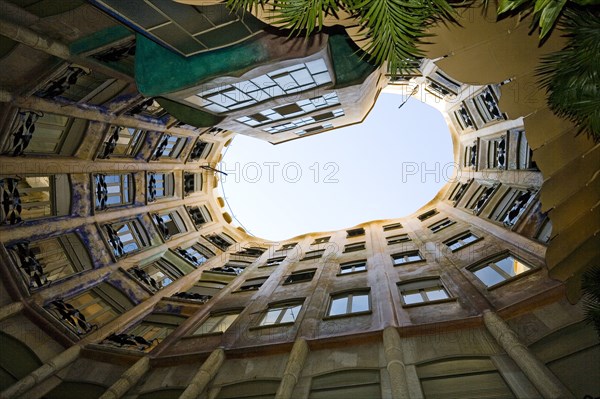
125 237
500 270
496 153
423 291
392 226
281 314
407 257
156 275
253 284
355 233
34 197
442 224
321 240
427 215
217 323
464 118
169 224
284 127
397 239
113 190
169 147
524 153
160 185
122 142
348 303
192 183
487 106
300 276
196 254
470 156
199 215
313 254
275 261
357 246
459 190
221 241
512 205
201 150
286 247
353 267
481 198
38 133
461 241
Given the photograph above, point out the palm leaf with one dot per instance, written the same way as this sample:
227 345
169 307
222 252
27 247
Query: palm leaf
590 286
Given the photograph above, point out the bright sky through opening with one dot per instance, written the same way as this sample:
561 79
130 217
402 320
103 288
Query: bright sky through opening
389 166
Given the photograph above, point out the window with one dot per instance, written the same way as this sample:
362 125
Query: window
113 190
512 206
169 224
156 275
423 291
304 121
253 284
480 198
524 152
253 252
440 83
160 185
121 142
499 270
321 240
201 150
442 224
392 226
286 247
358 246
314 129
397 239
217 323
487 105
407 257
355 383
33 197
290 110
169 147
470 156
463 117
313 254
152 330
427 215
300 276
293 79
199 215
459 191
147 107
461 241
125 237
197 254
275 261
192 183
36 132
545 232
496 153
353 267
350 302
281 314
45 261
221 241
355 233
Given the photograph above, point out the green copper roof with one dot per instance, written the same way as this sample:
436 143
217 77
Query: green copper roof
189 115
349 63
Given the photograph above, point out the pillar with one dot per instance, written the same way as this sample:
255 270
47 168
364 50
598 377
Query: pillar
536 371
207 372
10 310
48 369
395 363
128 379
293 369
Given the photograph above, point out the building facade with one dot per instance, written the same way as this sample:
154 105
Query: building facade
123 275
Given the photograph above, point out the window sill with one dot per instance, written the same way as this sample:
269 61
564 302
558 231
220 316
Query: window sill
410 263
353 250
253 328
356 272
510 280
345 315
438 301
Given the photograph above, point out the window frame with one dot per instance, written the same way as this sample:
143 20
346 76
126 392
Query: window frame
429 214
392 226
312 273
138 232
352 267
459 239
349 295
482 264
129 177
398 239
282 307
405 255
355 247
222 314
314 254
422 285
441 225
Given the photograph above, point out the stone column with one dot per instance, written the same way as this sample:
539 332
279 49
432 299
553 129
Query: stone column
10 310
293 369
536 371
395 363
34 40
48 369
204 375
128 379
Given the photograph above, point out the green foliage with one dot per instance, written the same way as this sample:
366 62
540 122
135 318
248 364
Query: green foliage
572 76
545 12
393 27
590 285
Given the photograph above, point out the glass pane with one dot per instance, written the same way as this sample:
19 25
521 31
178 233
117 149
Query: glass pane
270 317
413 296
435 293
469 238
290 314
511 266
488 276
210 325
412 258
360 303
338 306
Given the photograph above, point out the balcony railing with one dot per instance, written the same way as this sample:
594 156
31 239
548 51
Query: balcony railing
71 317
29 265
23 131
129 341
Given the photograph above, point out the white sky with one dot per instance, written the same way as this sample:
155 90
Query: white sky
388 166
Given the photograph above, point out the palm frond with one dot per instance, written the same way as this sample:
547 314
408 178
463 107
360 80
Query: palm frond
590 286
304 15
571 76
